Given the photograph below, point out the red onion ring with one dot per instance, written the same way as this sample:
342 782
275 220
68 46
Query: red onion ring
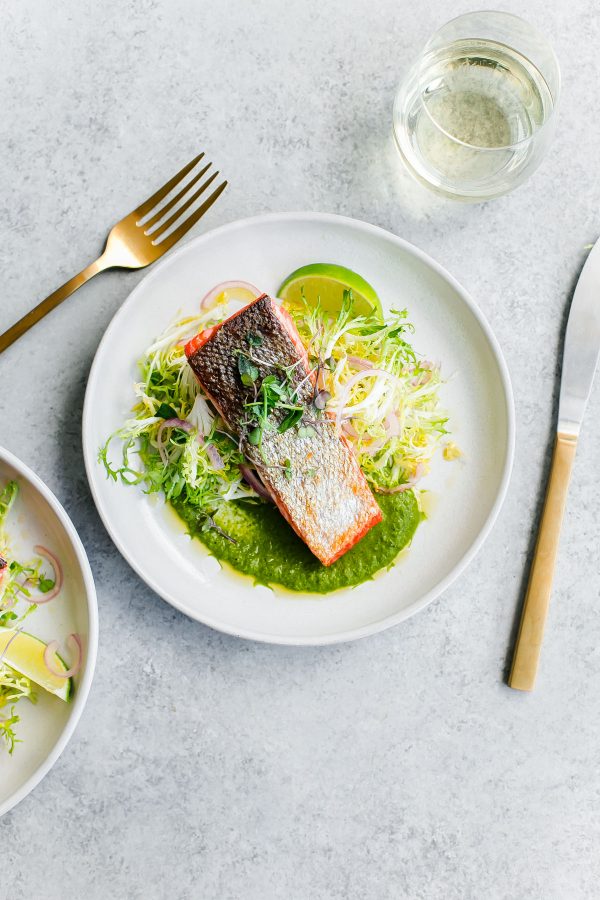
170 423
359 363
254 481
215 457
392 425
349 429
209 299
51 649
373 447
58 577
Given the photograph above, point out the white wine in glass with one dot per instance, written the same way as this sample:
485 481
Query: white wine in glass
474 116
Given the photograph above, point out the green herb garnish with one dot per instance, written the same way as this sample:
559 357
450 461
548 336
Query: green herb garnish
291 419
248 371
166 411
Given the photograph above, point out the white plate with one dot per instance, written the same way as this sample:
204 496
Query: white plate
46 728
449 328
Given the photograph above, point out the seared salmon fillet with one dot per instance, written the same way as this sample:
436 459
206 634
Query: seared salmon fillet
310 472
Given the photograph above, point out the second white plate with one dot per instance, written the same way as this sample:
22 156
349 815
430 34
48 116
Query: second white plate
45 729
467 494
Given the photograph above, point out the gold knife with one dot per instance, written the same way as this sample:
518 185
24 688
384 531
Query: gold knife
582 347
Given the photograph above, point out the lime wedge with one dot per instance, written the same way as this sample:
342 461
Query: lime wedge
25 654
327 282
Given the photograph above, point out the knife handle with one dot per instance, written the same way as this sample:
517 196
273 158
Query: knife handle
537 599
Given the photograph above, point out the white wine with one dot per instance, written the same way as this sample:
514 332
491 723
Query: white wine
466 116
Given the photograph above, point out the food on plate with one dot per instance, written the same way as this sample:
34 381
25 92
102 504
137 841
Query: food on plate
324 284
226 437
37 661
3 570
26 662
255 370
271 554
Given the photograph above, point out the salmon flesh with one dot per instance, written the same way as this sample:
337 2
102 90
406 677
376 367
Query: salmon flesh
308 469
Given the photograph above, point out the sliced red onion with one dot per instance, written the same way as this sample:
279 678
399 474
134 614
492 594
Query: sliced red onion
349 429
392 425
51 649
254 481
322 399
40 599
407 486
373 447
177 423
422 379
215 457
359 363
209 299
395 490
170 423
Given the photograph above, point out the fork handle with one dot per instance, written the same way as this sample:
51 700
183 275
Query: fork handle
537 599
50 303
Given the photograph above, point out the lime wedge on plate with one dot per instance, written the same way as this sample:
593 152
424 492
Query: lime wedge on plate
327 282
25 654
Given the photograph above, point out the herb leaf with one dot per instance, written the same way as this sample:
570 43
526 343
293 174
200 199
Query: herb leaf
292 418
248 371
254 340
166 411
45 585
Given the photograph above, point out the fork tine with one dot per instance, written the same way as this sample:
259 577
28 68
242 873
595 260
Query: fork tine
169 206
191 220
183 208
151 202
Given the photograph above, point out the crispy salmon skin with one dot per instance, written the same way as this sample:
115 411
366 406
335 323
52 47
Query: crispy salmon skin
310 472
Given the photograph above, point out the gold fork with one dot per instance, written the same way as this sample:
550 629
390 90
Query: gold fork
136 241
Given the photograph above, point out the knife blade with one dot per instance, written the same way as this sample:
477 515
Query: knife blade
580 358
582 346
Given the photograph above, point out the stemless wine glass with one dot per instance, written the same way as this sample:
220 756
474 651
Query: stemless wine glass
475 114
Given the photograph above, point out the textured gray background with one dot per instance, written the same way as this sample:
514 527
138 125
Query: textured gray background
207 767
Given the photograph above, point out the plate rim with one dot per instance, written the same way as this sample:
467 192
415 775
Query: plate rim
83 689
389 621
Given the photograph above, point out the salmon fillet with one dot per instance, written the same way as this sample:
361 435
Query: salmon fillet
314 479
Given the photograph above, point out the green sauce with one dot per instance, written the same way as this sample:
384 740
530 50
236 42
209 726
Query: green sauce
269 551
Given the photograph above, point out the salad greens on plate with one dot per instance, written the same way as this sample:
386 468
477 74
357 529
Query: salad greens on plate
26 663
382 396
